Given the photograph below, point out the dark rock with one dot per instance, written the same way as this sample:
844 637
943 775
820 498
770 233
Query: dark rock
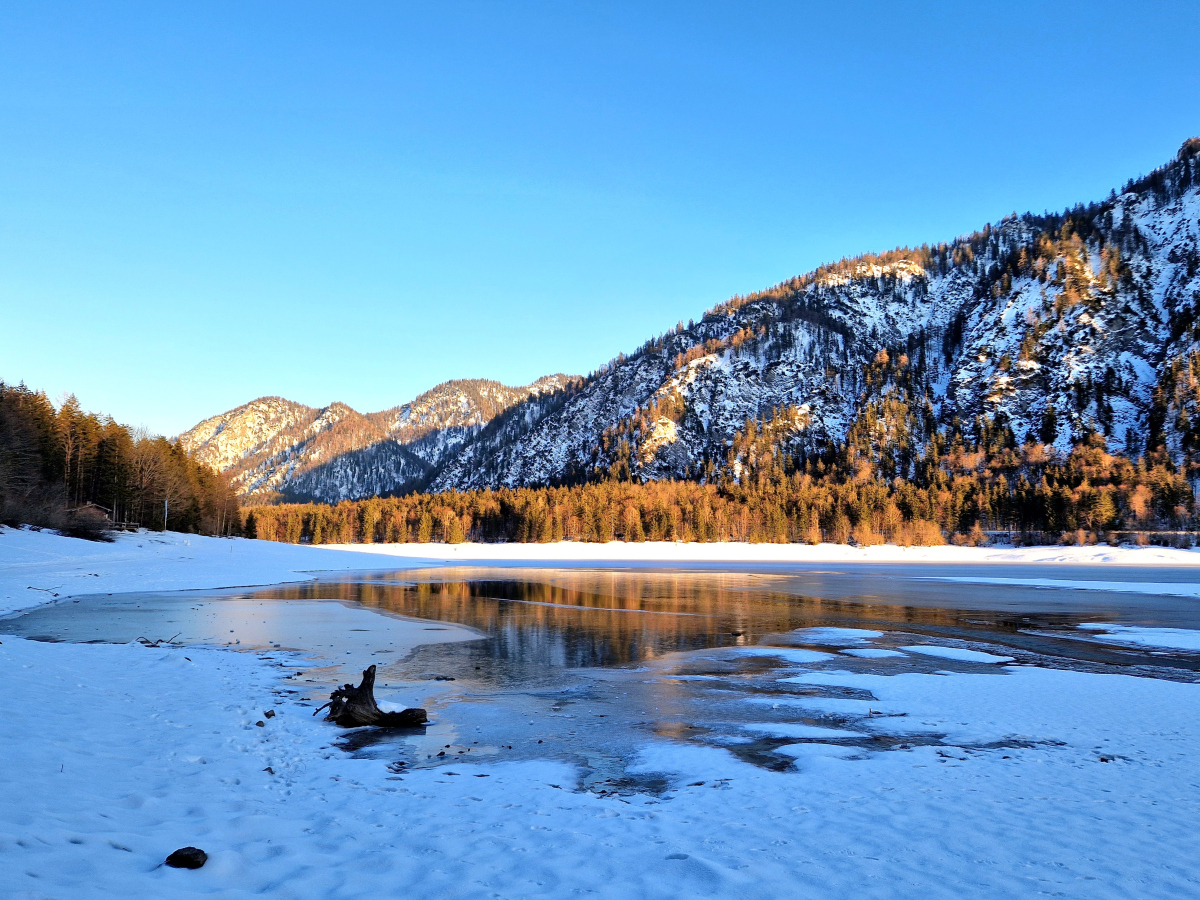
261 724
187 858
269 714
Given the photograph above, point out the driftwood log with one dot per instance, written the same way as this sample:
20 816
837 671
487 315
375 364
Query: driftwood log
353 707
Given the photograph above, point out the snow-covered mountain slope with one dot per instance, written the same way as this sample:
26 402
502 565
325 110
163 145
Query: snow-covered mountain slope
1052 325
274 446
437 423
265 444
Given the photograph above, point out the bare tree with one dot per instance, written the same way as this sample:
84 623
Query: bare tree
147 472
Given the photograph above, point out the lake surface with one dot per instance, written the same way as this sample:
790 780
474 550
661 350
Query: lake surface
586 664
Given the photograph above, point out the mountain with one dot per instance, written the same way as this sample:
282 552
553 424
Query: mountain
1051 326
1047 328
272 446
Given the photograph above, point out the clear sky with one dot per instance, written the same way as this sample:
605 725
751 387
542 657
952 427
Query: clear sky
204 203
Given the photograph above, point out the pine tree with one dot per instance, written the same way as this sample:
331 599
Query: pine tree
1049 429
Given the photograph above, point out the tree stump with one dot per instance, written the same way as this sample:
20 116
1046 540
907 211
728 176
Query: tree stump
353 707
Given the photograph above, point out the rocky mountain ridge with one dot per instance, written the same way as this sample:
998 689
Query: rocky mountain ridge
275 447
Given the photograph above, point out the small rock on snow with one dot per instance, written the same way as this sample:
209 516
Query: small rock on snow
187 858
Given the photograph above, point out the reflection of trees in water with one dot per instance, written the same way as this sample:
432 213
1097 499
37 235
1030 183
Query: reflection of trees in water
600 618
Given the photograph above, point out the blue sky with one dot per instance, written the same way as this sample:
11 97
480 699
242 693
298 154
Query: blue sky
205 203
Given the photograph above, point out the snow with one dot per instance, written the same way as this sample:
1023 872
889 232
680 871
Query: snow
662 434
1173 638
1015 781
790 654
792 730
958 653
873 653
836 637
811 751
97 793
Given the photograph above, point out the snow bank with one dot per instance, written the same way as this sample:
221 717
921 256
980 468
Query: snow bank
1170 638
874 653
837 637
957 653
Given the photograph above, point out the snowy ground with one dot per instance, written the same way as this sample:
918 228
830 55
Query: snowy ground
1045 782
1172 638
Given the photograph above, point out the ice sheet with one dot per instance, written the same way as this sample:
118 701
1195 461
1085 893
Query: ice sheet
1174 638
956 653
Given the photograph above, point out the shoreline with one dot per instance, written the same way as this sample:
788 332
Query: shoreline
37 567
717 553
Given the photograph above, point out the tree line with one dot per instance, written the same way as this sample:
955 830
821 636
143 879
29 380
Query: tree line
898 475
963 487
82 473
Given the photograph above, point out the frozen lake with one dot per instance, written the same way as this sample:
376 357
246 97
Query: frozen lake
584 664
